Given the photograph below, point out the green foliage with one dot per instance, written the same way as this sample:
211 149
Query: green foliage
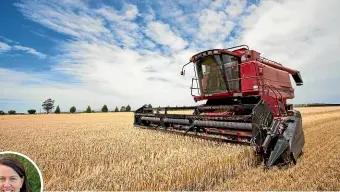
2 112
88 110
128 108
105 109
73 109
11 112
316 105
32 173
57 110
48 105
31 111
122 108
116 110
149 106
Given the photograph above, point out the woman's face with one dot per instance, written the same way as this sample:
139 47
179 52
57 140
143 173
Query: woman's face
10 180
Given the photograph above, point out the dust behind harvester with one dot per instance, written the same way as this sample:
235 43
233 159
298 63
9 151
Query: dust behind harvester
246 101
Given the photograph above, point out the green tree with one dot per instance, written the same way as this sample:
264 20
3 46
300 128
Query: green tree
11 112
122 108
48 105
116 110
88 110
57 110
2 112
31 111
105 109
128 108
73 109
149 106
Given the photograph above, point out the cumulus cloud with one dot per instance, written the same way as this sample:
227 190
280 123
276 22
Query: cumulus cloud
122 24
114 74
235 8
37 87
284 32
134 56
214 26
162 34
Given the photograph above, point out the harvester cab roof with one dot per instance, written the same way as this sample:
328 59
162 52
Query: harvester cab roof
246 101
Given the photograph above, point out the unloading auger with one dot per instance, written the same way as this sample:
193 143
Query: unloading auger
246 101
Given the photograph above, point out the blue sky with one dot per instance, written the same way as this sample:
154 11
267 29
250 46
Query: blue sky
86 52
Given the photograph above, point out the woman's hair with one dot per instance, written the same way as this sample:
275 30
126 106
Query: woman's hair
19 168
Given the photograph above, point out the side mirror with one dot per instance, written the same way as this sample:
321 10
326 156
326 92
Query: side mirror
183 71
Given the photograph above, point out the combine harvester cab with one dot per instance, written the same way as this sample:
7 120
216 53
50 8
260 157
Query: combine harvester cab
246 102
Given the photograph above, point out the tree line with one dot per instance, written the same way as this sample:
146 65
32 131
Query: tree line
317 105
48 106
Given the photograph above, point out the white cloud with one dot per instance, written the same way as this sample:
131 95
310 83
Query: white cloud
131 11
149 44
4 47
29 50
36 88
122 24
149 15
110 70
283 31
162 34
118 62
218 4
235 8
65 18
108 75
214 26
8 40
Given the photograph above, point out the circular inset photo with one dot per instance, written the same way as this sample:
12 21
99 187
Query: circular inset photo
18 173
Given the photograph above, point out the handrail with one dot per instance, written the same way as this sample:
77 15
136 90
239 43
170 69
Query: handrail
192 82
237 47
265 59
274 100
197 86
279 93
277 101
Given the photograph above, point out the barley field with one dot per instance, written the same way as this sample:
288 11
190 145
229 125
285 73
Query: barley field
103 151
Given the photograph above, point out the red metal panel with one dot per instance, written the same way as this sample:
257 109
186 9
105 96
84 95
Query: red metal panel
279 80
274 85
249 72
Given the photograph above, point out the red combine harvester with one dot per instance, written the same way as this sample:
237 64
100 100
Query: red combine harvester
246 101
